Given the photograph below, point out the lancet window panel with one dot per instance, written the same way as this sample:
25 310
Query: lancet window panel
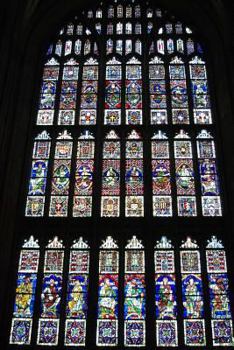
52 304
108 294
101 73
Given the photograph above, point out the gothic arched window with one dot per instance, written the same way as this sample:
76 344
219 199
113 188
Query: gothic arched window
123 156
138 86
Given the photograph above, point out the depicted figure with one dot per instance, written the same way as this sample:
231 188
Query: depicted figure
84 180
134 299
220 303
24 297
166 300
50 299
75 305
193 303
107 301
134 175
111 177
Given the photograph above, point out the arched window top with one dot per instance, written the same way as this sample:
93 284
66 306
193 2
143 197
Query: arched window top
142 104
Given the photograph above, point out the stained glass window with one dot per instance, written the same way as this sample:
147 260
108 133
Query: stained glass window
134 206
166 86
107 314
133 87
110 201
61 175
124 135
201 301
89 93
192 294
186 201
221 322
21 327
112 113
48 325
161 175
165 294
210 189
38 177
82 201
134 294
77 294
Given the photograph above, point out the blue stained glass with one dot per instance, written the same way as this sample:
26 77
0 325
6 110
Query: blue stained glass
192 296
51 296
134 333
166 333
78 284
134 308
39 168
21 331
47 101
220 306
222 331
157 87
62 168
165 297
107 308
218 283
77 304
37 186
26 283
158 101
60 185
48 87
194 332
207 166
178 87
107 332
177 71
133 87
24 305
108 286
192 285
108 297
113 72
134 286
199 87
69 87
48 332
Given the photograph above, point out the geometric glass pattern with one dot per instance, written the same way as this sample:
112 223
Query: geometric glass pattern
153 75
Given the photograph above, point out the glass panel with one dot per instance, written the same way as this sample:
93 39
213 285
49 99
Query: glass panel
134 294
107 313
192 294
51 294
77 295
21 327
